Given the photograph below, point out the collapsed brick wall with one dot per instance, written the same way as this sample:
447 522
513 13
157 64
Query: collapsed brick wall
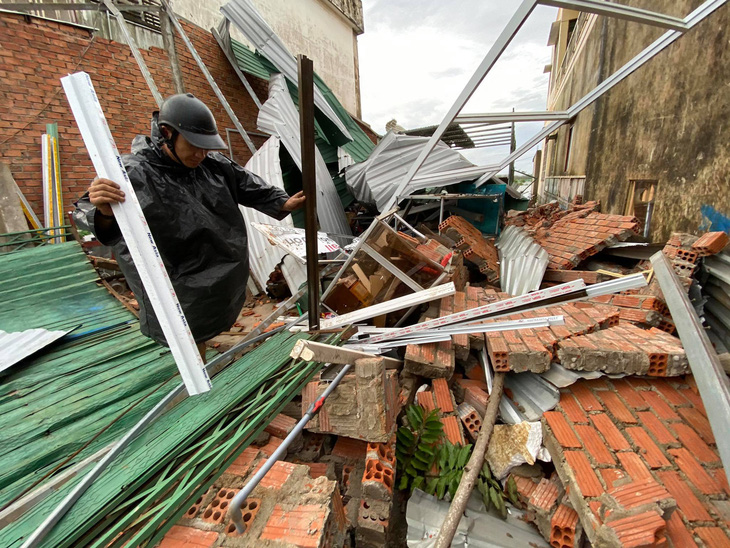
36 53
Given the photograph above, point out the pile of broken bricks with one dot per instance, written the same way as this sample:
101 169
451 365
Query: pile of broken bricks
627 456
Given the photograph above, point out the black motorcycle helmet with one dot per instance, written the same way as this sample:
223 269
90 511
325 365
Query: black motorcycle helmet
187 115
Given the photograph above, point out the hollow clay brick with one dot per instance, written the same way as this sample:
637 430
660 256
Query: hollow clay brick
563 527
677 532
713 536
616 407
179 537
634 466
444 399
594 444
544 496
695 473
584 474
218 507
687 502
249 509
699 422
561 429
378 480
692 441
656 427
647 529
614 438
572 409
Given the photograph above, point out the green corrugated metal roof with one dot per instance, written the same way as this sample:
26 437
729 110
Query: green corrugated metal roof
256 64
62 400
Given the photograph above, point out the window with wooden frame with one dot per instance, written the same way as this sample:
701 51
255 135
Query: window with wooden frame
640 202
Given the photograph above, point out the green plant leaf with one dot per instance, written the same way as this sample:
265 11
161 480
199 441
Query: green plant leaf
405 436
486 472
414 420
452 455
512 494
419 465
453 486
441 488
463 457
417 483
496 497
403 483
431 486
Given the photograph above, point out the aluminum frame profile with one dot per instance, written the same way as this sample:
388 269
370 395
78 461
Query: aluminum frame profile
511 29
505 117
108 164
254 27
407 301
278 116
522 261
634 64
531 397
712 382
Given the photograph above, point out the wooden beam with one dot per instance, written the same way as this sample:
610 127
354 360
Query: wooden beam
326 353
309 182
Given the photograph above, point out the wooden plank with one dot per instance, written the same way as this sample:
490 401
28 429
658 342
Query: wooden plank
326 353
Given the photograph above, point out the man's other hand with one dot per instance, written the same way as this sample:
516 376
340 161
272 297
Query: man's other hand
294 202
103 193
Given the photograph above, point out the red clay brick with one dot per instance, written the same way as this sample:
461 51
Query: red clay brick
572 409
584 474
452 430
242 464
611 434
721 478
692 396
179 536
594 444
249 510
648 449
562 526
690 505
277 476
302 526
425 400
585 397
659 406
713 537
272 445
218 507
698 421
281 426
617 408
671 395
695 473
634 466
545 495
442 394
348 448
643 530
678 533
656 427
692 441
525 487
611 475
561 429
639 493
630 396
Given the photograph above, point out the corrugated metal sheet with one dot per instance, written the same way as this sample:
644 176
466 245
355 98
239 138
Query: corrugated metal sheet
18 345
60 401
278 116
246 17
263 257
376 179
522 261
256 64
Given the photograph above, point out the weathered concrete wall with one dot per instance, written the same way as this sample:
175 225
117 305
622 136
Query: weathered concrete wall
324 31
669 121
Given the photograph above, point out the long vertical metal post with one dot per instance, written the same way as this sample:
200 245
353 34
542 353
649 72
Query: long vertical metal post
523 11
309 182
135 52
209 77
512 147
168 38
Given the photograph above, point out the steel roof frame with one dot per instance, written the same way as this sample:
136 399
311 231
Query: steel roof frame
602 7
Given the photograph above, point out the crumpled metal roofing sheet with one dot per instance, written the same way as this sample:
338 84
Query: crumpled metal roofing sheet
263 256
246 17
256 64
522 261
278 116
18 345
376 179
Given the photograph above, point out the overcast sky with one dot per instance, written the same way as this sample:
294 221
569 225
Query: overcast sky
416 56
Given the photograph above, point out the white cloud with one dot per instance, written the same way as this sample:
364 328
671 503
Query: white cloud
416 58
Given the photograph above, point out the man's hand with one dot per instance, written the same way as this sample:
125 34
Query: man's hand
294 202
104 192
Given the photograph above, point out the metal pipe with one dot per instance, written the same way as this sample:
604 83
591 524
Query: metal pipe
65 505
234 510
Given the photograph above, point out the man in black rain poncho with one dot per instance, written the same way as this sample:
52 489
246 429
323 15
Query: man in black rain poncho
190 199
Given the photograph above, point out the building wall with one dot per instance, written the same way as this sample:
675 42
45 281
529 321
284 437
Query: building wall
36 53
666 122
324 31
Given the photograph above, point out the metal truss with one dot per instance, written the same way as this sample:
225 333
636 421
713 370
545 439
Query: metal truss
676 27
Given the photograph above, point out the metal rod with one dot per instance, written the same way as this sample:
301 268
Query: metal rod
507 117
709 375
208 76
225 46
514 25
234 510
390 267
611 9
309 182
168 39
135 52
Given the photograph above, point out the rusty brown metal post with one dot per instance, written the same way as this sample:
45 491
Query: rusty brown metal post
309 182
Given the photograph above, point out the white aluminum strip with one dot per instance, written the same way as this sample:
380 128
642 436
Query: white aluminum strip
57 191
278 116
400 303
493 308
527 323
249 21
108 164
